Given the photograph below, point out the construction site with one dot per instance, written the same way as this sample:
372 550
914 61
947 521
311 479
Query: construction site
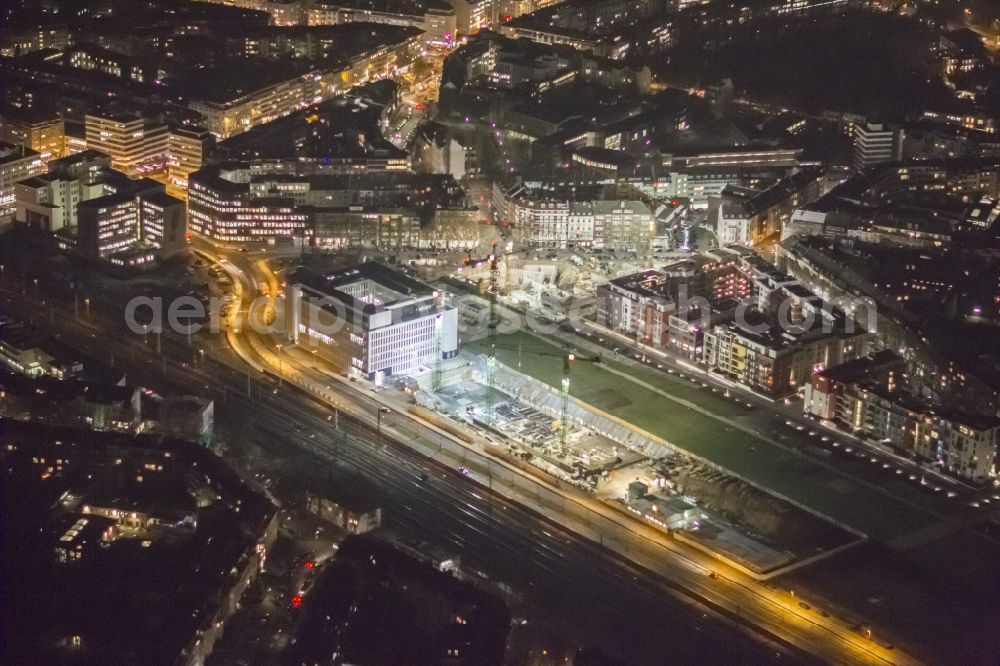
533 417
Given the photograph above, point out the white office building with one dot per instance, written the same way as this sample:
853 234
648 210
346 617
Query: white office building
370 321
875 143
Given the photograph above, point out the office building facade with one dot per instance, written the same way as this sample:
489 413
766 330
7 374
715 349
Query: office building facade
137 146
371 321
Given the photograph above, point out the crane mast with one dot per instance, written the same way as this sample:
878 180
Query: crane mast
491 359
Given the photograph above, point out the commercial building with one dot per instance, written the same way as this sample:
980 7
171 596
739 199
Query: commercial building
130 228
758 159
17 163
137 146
240 202
187 149
875 143
585 219
370 321
45 134
220 206
471 16
49 202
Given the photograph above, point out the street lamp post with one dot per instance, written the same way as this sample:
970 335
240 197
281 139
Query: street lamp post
86 303
378 422
281 368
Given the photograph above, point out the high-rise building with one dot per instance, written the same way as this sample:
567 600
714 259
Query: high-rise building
17 163
162 222
132 227
875 143
137 146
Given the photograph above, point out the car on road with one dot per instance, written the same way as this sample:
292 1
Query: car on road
464 471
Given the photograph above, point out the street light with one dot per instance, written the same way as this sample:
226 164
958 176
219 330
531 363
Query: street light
378 422
86 303
281 370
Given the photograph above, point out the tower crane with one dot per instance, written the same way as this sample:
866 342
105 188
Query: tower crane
494 321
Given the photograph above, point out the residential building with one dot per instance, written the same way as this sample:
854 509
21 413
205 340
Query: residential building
673 306
885 369
25 350
227 115
869 398
598 222
637 305
354 517
775 343
745 216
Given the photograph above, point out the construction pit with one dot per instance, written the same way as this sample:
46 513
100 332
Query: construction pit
695 501
581 455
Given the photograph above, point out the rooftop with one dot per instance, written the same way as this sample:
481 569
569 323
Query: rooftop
49 474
